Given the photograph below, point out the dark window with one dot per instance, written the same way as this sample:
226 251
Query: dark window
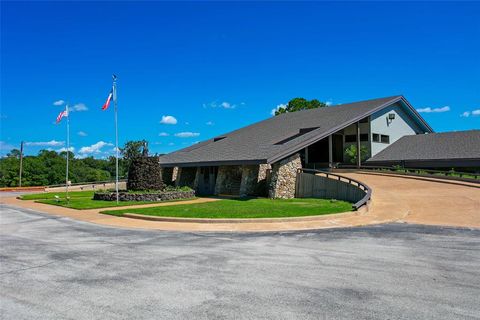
351 138
218 139
375 137
385 139
364 120
364 137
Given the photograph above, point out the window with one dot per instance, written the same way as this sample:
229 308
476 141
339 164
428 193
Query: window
218 139
375 137
351 138
364 120
364 137
385 138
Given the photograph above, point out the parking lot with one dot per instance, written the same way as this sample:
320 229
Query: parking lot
58 268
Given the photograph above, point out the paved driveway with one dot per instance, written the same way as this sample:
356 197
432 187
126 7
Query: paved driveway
57 268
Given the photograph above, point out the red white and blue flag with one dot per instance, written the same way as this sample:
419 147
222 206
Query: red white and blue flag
62 114
107 103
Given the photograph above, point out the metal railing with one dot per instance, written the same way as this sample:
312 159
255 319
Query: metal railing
442 174
360 185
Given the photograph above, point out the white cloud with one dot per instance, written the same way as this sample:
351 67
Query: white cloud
171 144
329 102
466 114
209 123
94 148
227 105
430 110
187 134
224 105
71 149
79 107
168 120
51 143
59 103
476 112
82 133
282 105
163 134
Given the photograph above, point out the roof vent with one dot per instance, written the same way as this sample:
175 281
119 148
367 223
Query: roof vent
218 139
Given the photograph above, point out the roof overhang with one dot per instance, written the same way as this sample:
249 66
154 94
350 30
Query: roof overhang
295 148
213 163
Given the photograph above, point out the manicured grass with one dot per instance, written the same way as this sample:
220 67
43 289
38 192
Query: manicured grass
80 200
51 195
245 208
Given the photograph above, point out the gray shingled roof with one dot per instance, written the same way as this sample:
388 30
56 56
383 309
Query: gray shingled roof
433 146
258 143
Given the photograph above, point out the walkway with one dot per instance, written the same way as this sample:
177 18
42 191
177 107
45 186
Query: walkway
395 199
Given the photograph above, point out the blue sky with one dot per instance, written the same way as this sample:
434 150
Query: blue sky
218 66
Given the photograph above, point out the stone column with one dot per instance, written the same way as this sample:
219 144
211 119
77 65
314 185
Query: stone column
284 177
249 182
177 172
221 175
197 178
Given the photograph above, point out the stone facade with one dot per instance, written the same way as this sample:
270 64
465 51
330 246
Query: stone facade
254 180
160 196
174 175
283 177
228 180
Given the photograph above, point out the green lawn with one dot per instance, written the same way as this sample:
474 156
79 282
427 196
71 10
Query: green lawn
245 208
79 200
51 195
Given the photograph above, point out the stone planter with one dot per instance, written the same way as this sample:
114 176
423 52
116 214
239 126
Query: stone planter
152 196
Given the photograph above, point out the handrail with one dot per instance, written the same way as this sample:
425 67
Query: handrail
464 176
360 185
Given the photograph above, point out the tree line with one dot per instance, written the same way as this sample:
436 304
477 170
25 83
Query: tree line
48 167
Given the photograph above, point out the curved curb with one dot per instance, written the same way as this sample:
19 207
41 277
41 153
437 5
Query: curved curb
251 220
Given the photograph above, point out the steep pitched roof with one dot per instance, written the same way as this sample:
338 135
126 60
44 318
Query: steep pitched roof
277 137
432 146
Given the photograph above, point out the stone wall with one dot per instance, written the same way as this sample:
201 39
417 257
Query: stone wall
283 177
228 180
160 196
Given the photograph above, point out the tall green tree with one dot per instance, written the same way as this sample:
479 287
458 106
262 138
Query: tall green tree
297 104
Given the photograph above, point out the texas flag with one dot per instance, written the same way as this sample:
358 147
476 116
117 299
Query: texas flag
62 114
107 103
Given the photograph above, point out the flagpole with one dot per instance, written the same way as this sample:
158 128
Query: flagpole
116 132
68 148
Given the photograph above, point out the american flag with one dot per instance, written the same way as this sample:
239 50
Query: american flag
62 114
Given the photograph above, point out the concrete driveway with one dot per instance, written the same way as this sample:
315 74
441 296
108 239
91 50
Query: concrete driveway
58 268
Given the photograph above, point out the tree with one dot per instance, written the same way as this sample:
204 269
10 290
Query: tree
134 149
297 104
14 153
351 153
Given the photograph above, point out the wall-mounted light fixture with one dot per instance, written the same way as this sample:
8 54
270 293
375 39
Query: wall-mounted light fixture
390 118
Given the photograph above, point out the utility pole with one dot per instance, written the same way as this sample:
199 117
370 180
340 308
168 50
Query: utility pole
21 165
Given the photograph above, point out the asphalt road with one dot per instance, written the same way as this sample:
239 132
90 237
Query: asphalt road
57 268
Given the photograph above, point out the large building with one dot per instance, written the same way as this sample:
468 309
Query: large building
263 158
